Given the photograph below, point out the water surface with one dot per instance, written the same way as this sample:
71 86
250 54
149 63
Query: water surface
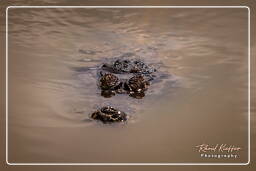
53 54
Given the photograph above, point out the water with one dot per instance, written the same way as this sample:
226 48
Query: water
53 54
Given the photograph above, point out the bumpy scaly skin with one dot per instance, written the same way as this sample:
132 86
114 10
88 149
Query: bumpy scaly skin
136 84
128 66
109 114
141 67
109 82
122 65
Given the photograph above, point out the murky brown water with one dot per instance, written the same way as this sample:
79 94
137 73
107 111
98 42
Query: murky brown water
52 84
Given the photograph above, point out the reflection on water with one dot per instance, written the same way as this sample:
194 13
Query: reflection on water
201 96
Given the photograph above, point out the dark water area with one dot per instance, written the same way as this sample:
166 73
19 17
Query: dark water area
201 96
